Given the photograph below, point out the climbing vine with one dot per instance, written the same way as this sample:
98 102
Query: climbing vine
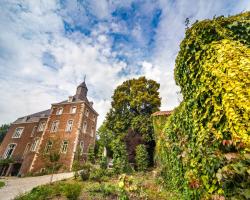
204 148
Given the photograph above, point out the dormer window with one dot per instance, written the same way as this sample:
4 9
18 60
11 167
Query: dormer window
73 110
59 111
71 98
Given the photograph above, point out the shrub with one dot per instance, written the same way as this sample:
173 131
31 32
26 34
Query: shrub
71 191
141 157
37 193
204 147
104 162
120 158
105 190
85 172
91 154
97 175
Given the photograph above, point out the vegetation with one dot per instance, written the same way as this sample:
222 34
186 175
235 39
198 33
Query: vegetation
205 145
120 158
85 171
54 191
133 102
2 184
135 186
54 163
3 130
91 154
104 162
141 157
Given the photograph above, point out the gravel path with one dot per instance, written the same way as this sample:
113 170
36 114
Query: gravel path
15 186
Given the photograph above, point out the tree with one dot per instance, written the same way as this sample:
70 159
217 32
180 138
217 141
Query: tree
120 158
54 158
132 104
91 154
3 130
141 157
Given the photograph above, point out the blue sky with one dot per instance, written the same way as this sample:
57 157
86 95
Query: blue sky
47 46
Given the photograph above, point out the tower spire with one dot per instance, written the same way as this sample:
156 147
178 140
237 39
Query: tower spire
84 79
82 90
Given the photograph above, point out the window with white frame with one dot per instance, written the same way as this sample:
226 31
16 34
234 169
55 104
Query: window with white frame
87 112
35 144
81 147
94 118
54 126
59 111
48 146
84 127
26 149
33 131
92 131
18 132
69 125
9 150
73 110
41 127
64 146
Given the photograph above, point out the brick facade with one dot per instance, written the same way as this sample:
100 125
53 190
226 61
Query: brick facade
68 127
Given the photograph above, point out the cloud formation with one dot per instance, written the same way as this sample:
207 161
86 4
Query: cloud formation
47 46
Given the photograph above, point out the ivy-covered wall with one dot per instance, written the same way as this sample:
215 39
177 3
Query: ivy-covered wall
204 148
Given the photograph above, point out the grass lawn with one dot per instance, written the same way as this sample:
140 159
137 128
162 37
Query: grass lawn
2 184
138 187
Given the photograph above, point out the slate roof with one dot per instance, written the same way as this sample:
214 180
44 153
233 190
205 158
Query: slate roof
33 117
83 84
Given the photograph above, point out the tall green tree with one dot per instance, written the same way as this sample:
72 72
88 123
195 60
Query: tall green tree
132 104
141 157
3 130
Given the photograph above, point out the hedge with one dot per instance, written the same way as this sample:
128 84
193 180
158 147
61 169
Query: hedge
204 148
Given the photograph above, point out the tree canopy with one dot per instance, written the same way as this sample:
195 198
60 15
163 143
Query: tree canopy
3 130
132 104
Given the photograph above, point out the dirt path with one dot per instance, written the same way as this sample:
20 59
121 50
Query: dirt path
15 186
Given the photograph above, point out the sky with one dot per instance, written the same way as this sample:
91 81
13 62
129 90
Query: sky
47 46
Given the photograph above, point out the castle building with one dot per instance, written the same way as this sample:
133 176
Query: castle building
67 129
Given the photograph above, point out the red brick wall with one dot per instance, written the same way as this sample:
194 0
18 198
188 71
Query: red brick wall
58 137
35 161
29 156
87 138
21 142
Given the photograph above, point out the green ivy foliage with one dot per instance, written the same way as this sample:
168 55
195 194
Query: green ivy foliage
204 148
